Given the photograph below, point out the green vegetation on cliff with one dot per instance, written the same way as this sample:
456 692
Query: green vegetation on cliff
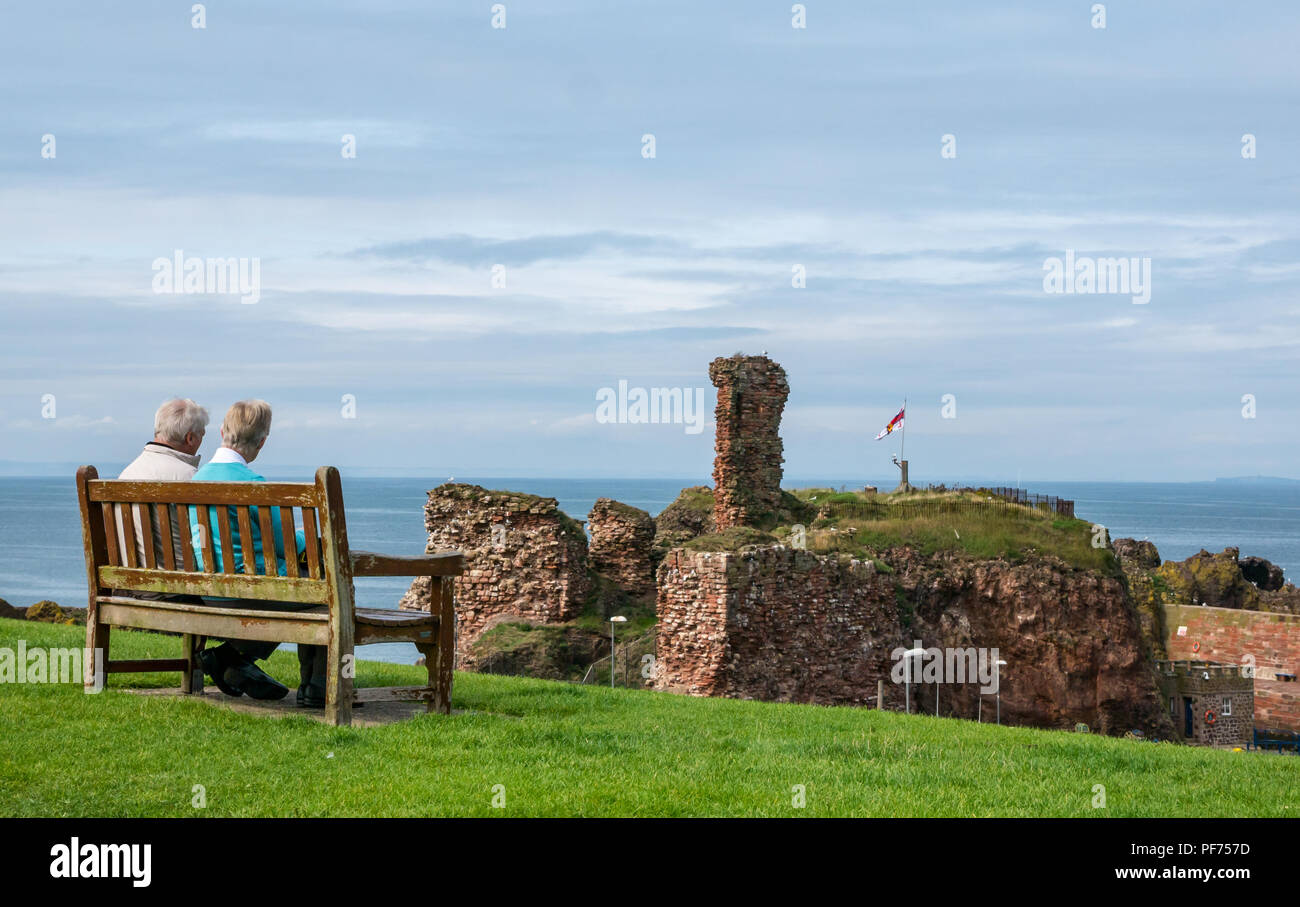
565 750
866 526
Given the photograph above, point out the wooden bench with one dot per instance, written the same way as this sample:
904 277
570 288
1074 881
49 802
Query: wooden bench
115 575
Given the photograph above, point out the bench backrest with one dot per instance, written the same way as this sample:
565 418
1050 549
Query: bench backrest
238 507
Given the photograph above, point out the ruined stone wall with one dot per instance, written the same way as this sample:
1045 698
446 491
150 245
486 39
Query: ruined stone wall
622 538
774 623
1232 635
748 454
524 559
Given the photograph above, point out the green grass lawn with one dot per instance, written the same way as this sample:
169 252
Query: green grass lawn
561 749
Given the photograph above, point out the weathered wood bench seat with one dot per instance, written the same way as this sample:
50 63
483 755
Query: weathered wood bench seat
118 572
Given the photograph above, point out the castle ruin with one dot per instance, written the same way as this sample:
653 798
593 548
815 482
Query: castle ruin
747 465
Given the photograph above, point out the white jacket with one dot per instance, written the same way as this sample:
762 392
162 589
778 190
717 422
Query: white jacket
159 463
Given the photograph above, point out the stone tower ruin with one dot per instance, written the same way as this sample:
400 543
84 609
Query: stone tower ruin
748 453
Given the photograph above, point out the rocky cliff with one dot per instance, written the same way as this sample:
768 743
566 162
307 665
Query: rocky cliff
1221 580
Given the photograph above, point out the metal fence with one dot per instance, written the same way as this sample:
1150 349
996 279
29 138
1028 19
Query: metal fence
1058 506
630 664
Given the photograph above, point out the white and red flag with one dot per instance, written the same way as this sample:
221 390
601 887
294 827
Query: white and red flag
894 424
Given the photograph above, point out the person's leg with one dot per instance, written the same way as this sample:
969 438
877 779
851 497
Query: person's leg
253 649
311 676
231 664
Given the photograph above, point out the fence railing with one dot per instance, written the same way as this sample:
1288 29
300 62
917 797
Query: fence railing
628 663
1058 506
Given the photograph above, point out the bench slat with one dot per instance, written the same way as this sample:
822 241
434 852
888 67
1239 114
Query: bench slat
146 536
317 613
247 544
441 563
313 543
304 628
110 535
147 664
227 540
165 536
232 585
187 539
269 565
287 534
128 534
288 494
207 536
383 617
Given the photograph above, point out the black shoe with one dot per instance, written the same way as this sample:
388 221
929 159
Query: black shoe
214 662
249 678
312 695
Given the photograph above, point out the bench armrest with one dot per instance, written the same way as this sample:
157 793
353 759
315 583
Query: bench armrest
443 563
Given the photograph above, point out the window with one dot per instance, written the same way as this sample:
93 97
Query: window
1227 707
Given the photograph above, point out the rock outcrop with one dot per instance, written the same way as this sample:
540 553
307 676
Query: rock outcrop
1138 553
1210 579
1225 580
1138 559
48 612
12 613
1265 575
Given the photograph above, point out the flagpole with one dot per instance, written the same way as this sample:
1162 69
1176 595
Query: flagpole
902 445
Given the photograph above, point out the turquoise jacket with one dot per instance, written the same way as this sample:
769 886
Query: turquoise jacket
238 472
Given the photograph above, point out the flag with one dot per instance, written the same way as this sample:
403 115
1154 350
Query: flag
894 423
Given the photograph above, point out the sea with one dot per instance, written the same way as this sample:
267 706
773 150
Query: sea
41 553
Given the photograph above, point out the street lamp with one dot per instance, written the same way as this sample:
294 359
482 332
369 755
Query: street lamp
907 674
613 620
997 678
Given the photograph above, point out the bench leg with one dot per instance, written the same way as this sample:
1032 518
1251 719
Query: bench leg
192 676
339 666
96 665
429 650
443 661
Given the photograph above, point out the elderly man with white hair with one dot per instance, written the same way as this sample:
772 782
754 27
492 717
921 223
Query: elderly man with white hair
172 456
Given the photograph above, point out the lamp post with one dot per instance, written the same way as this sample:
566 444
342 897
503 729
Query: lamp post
907 675
997 676
613 620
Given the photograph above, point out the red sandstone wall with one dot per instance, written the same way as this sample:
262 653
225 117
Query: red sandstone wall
780 625
748 453
533 567
622 538
1229 635
773 623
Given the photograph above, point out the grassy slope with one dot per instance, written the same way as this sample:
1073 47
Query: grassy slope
561 749
1000 532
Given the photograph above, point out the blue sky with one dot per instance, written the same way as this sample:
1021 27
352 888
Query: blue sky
775 147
